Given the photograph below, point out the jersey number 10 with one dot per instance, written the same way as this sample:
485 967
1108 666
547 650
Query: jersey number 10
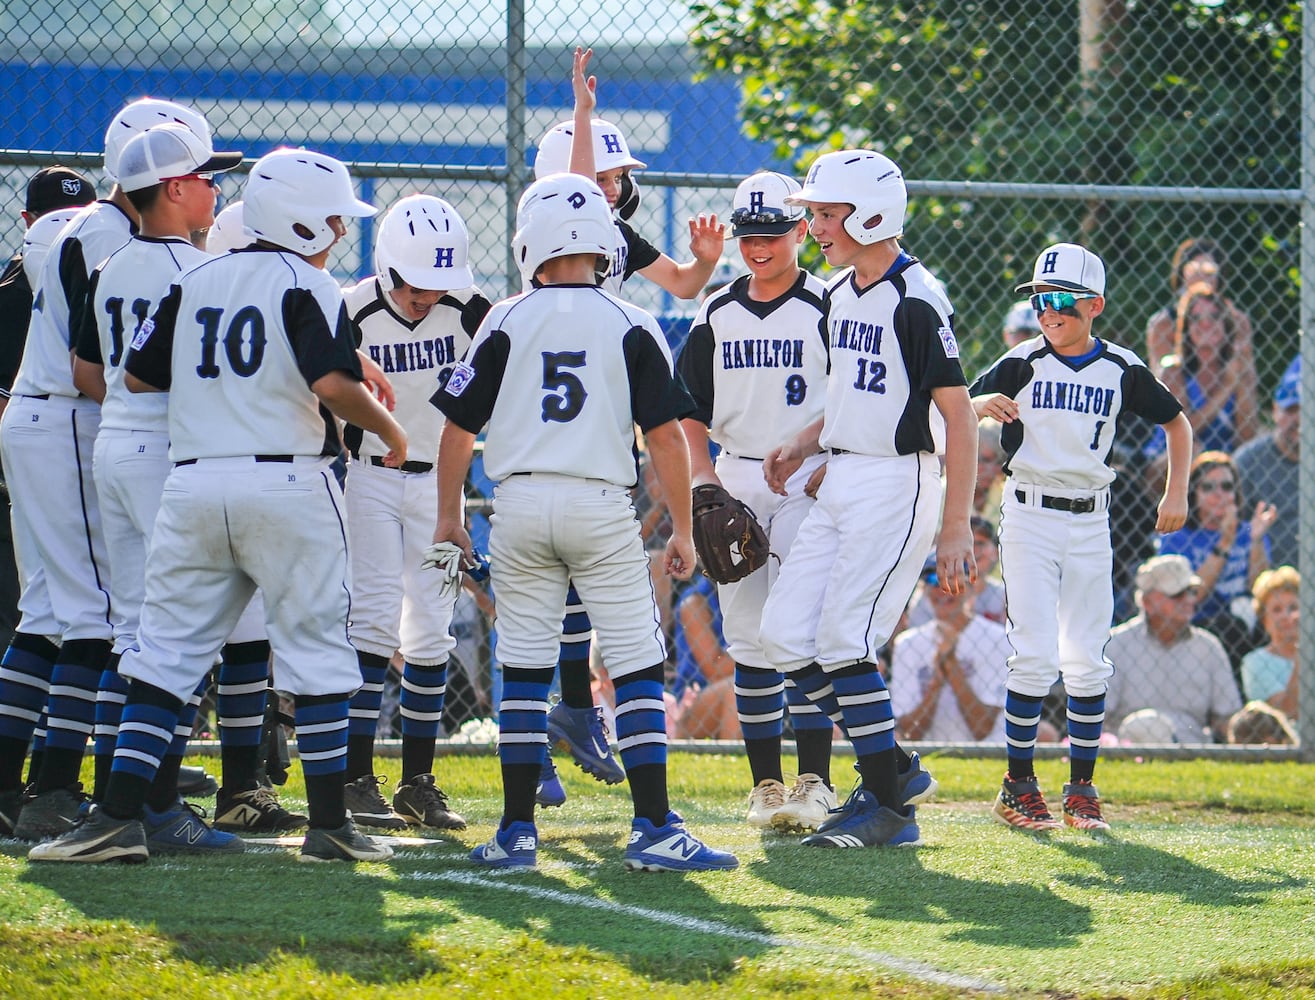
244 341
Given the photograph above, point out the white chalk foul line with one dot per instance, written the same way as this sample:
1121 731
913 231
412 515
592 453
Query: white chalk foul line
918 970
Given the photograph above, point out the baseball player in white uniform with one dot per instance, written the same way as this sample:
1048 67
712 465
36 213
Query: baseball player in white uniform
166 172
562 510
755 363
414 318
249 345
895 398
1059 397
48 436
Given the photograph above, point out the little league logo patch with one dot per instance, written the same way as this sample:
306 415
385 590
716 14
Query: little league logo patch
142 335
948 342
462 373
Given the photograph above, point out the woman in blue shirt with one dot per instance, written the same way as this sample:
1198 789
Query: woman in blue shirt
1226 552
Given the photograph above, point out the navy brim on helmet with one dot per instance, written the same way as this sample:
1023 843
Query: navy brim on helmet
763 228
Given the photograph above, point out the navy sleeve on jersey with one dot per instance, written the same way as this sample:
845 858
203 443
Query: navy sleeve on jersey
639 252
15 314
317 348
86 337
473 313
74 280
150 355
918 326
694 366
1007 377
1146 396
468 394
656 395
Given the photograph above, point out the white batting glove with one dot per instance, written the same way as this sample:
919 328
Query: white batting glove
446 557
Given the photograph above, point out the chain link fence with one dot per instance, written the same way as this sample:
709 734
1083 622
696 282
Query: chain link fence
1133 127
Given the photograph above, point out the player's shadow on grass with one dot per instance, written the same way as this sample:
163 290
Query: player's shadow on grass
1137 868
666 925
234 912
903 890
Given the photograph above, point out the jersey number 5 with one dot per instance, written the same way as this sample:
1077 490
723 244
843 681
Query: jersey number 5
566 393
244 341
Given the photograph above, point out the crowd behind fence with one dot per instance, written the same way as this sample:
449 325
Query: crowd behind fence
1097 140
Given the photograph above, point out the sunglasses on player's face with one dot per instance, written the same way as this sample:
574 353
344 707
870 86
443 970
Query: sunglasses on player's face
1064 303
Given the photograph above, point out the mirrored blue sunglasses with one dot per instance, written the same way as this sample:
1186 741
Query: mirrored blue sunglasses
1064 303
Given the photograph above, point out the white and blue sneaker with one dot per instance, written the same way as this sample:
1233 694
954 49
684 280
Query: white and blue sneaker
864 822
183 830
549 791
672 848
515 847
583 733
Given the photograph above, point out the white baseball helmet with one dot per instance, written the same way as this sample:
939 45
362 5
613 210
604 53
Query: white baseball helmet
40 236
423 241
226 232
559 215
869 181
610 150
290 196
140 115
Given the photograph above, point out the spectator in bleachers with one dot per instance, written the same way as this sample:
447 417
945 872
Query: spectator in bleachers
948 675
1269 673
1225 551
1260 722
1267 467
1212 372
1196 261
1172 680
990 470
989 590
1021 323
704 682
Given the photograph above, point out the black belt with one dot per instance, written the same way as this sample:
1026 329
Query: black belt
43 395
258 458
841 451
378 462
1070 505
746 458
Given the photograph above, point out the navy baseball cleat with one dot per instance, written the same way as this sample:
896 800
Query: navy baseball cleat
863 822
582 733
550 791
672 848
183 830
515 847
916 785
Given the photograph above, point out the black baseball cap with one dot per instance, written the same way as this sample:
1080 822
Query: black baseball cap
58 187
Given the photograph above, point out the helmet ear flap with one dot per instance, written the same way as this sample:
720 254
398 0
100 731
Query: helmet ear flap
395 278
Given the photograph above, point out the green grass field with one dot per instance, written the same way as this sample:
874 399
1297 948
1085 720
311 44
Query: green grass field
1204 889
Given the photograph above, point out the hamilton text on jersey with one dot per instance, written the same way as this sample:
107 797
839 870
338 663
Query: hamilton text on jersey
855 335
762 353
1072 396
415 355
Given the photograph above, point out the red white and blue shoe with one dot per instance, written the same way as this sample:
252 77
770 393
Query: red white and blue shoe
863 822
583 734
515 847
672 848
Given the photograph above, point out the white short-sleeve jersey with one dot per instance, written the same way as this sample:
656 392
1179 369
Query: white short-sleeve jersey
757 370
124 292
238 341
61 294
890 345
1069 408
415 355
560 375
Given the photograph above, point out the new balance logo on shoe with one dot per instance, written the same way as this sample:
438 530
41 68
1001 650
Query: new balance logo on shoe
678 848
523 844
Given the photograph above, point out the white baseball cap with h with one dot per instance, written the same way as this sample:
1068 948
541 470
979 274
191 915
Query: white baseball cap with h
1069 267
760 207
170 150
